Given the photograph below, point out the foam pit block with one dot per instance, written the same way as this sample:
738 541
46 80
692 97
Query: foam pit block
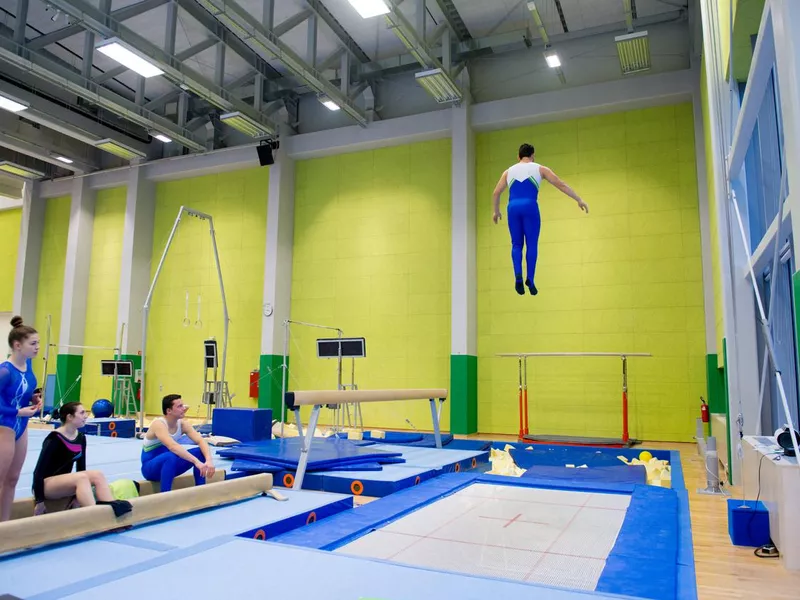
243 424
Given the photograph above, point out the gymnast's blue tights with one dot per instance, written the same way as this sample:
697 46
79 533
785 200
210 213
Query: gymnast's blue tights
524 223
160 464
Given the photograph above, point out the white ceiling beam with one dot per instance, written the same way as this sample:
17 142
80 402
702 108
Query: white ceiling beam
119 15
173 69
268 46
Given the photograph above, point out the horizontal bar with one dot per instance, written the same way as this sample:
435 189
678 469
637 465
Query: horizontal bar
82 347
619 354
319 397
312 325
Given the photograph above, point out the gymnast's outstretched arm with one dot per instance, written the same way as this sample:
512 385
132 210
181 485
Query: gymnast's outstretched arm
556 182
498 191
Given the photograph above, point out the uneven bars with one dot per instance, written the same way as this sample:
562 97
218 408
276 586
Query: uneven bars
318 398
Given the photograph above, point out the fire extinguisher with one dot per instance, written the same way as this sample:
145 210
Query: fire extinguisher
703 410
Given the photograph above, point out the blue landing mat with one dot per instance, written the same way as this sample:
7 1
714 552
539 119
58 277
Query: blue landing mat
445 460
309 573
325 452
31 574
635 474
559 456
252 466
403 438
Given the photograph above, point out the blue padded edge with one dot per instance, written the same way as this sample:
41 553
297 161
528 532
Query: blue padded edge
644 559
676 469
342 529
371 487
272 530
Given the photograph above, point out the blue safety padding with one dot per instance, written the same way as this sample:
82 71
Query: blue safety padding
203 428
389 480
479 445
325 452
345 527
573 454
271 530
635 474
676 470
253 466
433 458
685 545
402 438
560 456
644 560
687 582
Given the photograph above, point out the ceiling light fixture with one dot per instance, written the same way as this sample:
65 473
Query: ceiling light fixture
369 8
20 171
329 104
162 138
118 149
11 105
634 52
65 160
438 85
128 57
552 60
244 124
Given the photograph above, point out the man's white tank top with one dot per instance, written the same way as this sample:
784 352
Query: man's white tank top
150 444
523 181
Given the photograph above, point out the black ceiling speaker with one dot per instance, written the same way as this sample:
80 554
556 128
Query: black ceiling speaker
264 150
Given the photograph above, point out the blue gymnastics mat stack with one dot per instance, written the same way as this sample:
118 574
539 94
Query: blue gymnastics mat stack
351 467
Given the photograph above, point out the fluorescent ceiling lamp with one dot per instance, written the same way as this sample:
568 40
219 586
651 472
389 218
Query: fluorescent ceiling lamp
370 8
64 159
127 57
552 60
162 138
329 104
19 171
244 124
118 149
634 52
439 85
8 104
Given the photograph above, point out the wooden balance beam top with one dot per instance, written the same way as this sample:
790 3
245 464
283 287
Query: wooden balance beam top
52 528
330 397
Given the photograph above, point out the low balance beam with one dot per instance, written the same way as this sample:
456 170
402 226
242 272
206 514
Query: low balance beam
52 528
332 397
319 398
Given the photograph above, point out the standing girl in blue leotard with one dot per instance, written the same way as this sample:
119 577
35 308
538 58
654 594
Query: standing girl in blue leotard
18 403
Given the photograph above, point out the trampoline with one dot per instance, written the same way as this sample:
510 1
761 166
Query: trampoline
590 536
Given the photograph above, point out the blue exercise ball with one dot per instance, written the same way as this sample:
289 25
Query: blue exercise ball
102 408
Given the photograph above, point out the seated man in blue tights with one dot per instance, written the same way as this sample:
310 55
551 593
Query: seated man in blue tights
164 458
524 222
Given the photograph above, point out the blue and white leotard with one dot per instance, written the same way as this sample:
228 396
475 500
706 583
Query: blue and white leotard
16 391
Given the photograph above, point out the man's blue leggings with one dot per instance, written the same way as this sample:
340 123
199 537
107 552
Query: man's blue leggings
524 223
160 464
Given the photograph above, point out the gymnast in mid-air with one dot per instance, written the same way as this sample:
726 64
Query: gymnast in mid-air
524 221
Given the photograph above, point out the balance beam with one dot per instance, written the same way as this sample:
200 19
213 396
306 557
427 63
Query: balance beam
31 532
333 397
320 398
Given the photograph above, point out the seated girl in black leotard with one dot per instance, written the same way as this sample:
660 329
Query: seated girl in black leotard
64 448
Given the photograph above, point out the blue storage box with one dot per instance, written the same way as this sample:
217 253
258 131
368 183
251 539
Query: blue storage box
243 424
110 427
748 523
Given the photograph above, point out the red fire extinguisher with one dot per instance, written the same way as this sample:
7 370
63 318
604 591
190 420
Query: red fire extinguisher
703 410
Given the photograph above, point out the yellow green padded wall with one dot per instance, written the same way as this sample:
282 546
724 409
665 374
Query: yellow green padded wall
238 203
102 298
625 278
10 221
372 248
51 280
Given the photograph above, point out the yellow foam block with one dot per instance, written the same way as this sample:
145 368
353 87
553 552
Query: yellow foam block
503 464
377 434
658 471
355 435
